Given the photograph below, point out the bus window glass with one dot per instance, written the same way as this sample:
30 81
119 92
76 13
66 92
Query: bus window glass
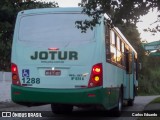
122 47
119 57
113 38
113 54
118 43
47 29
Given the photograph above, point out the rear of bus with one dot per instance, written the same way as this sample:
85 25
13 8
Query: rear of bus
53 62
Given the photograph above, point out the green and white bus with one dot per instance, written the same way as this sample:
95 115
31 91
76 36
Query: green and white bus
54 63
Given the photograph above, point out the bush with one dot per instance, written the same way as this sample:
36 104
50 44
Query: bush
149 76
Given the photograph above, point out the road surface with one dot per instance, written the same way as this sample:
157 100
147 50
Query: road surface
80 114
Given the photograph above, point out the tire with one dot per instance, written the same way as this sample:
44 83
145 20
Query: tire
61 108
118 109
130 102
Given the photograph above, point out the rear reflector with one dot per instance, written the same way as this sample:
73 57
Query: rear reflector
16 93
91 95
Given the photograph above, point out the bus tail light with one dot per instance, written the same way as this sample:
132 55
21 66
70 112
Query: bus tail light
96 77
15 76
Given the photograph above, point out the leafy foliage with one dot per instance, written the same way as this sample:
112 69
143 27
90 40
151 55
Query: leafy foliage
119 11
155 29
8 13
150 75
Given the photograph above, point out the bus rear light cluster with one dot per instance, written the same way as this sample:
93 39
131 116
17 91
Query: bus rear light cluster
96 77
15 76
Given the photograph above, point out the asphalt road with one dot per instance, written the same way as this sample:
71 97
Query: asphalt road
80 114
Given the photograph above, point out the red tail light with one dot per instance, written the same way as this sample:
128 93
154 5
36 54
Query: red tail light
96 78
15 76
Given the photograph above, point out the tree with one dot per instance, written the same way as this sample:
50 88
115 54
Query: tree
8 13
119 11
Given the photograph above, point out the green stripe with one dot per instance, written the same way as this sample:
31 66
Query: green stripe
64 96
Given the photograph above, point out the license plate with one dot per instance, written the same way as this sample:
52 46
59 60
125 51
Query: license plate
52 72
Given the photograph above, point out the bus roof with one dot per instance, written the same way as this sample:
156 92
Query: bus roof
124 38
52 10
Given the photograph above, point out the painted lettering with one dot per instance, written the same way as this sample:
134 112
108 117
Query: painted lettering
43 55
35 56
73 55
53 55
62 57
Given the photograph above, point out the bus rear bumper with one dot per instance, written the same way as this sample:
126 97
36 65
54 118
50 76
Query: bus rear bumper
86 96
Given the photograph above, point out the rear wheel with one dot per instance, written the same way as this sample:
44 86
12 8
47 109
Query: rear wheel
118 109
130 102
61 108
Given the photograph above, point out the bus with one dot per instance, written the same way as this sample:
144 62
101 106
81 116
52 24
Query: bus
53 62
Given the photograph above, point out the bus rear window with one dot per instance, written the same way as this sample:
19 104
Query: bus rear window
53 28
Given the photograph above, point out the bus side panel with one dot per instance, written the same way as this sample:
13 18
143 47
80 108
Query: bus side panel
110 81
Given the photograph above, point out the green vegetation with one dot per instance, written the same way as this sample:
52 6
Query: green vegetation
157 100
149 76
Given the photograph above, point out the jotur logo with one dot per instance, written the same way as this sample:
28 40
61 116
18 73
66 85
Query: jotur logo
52 55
